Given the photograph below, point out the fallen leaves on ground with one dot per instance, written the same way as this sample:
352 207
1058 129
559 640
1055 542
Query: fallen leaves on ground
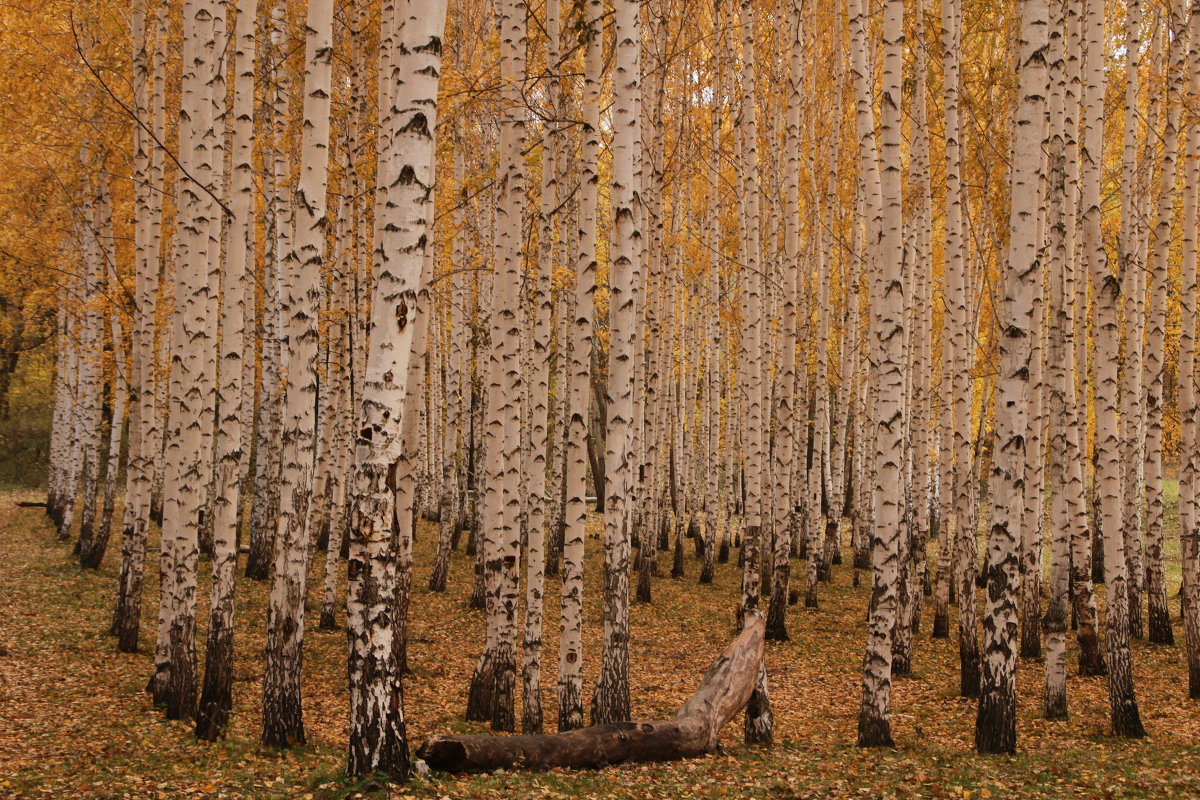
75 721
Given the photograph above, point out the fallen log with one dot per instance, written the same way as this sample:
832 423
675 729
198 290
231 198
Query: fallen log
724 691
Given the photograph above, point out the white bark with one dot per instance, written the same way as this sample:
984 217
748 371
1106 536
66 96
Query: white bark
216 702
1105 287
283 724
610 702
874 727
377 737
570 651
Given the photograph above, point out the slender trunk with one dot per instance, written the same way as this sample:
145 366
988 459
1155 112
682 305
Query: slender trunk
216 699
531 685
92 556
283 720
264 511
1126 720
1064 462
191 389
1131 271
1159 617
777 613
570 652
144 422
610 701
90 402
1189 544
886 225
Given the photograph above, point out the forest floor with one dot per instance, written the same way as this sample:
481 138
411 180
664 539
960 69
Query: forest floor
75 721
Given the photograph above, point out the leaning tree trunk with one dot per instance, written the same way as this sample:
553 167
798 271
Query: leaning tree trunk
695 731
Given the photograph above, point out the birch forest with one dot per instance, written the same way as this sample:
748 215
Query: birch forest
500 398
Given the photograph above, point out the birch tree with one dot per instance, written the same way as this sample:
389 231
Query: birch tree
887 324
377 729
1158 616
570 650
283 721
996 723
781 561
1065 464
1126 720
149 105
1189 540
216 701
191 393
610 701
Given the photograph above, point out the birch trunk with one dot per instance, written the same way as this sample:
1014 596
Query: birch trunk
283 720
1189 536
712 319
1126 720
570 652
377 728
144 421
777 613
752 334
90 402
264 512
1159 617
216 699
531 685
91 555
886 225
174 681
1130 268
954 406
610 701
1091 662
493 682
962 535
1064 463
996 723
